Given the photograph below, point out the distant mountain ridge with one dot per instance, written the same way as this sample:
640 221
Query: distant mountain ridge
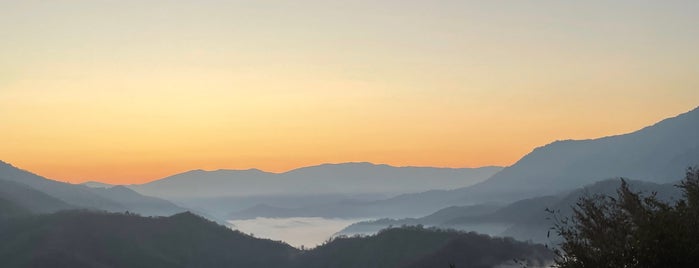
17 199
96 184
346 178
658 153
41 195
525 219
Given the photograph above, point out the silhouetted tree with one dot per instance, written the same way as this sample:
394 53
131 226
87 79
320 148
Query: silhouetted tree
630 230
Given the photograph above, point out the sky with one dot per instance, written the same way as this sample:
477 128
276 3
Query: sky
133 91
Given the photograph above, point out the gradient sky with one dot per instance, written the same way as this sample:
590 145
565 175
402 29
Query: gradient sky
131 91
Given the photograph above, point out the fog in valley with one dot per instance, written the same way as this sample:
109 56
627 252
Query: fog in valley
317 223
308 232
349 134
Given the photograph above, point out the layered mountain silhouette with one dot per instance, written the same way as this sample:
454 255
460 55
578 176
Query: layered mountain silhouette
41 195
94 239
228 193
346 178
30 200
40 226
658 153
96 184
100 239
526 219
9 210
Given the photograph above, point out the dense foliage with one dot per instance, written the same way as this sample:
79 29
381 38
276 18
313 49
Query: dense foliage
631 230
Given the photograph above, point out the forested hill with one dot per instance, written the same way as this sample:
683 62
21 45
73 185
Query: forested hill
91 239
419 247
94 239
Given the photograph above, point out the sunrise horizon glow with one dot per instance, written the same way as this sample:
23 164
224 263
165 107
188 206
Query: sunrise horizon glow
132 91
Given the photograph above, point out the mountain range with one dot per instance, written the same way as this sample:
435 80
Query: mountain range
657 153
41 195
224 193
526 219
49 223
81 238
345 178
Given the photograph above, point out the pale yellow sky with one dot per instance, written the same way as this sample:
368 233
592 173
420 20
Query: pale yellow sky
131 91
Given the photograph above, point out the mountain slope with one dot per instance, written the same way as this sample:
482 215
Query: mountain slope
481 251
526 219
658 153
348 178
67 195
9 210
89 239
76 195
534 223
96 184
136 202
100 239
29 199
434 219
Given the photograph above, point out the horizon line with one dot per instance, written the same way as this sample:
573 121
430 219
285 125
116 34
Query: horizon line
290 170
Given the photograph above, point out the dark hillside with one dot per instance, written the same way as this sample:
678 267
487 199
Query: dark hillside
89 239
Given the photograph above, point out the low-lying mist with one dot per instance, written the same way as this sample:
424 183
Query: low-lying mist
297 231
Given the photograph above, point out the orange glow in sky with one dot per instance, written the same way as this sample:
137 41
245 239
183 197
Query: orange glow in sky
132 91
